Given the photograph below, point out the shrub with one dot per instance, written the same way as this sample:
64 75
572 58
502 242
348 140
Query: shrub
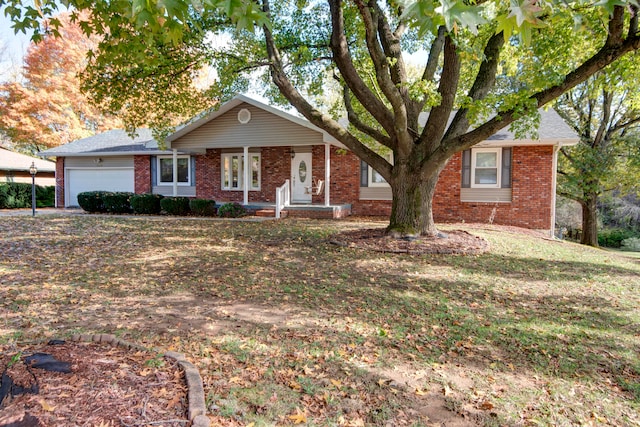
147 204
15 195
231 210
203 207
175 205
117 202
631 244
92 201
613 237
45 196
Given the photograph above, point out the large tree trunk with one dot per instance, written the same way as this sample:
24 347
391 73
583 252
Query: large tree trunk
589 220
412 206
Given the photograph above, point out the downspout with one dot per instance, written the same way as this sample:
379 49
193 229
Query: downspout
246 175
554 185
327 173
175 172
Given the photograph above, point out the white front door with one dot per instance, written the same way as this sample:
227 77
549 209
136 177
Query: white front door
301 180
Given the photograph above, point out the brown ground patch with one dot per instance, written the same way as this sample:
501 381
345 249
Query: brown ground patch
108 386
375 239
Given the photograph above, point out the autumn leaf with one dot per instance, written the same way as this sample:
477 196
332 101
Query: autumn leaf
336 383
46 406
299 417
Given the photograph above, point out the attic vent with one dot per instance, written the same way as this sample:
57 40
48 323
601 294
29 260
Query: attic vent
244 116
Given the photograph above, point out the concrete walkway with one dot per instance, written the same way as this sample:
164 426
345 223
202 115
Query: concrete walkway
41 211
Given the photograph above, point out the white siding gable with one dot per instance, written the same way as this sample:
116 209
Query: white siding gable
263 130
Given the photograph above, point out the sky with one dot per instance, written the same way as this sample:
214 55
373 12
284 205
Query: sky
12 48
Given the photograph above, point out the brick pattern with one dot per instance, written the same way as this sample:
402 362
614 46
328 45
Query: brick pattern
530 207
142 174
60 182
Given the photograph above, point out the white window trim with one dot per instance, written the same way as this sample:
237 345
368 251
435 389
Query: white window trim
498 152
159 171
240 171
370 182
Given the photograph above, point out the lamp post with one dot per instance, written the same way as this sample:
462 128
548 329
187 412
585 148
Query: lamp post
33 170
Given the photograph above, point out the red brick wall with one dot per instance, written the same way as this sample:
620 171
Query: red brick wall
60 182
275 168
142 174
531 180
345 176
530 207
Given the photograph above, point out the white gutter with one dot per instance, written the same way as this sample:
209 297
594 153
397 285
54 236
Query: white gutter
554 186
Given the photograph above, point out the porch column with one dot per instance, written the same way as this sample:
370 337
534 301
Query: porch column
246 175
175 172
327 173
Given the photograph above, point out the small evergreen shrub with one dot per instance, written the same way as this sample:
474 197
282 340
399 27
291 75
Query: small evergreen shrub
203 207
175 205
231 210
15 195
117 202
146 204
613 237
92 201
45 196
631 244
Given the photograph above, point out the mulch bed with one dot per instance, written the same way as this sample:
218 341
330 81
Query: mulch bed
107 386
375 239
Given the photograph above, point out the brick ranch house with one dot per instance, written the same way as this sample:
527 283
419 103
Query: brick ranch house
247 152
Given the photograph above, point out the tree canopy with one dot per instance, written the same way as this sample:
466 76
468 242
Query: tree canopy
484 66
46 107
605 112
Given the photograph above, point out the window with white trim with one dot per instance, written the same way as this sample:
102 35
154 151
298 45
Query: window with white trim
486 167
233 171
165 170
373 178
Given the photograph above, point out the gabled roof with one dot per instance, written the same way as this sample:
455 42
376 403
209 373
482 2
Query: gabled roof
551 131
109 143
239 99
12 161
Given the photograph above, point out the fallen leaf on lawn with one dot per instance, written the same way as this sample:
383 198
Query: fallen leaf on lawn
336 383
486 406
144 372
295 385
299 417
420 392
46 406
446 390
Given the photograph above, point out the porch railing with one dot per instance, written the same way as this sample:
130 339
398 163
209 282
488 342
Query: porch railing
283 197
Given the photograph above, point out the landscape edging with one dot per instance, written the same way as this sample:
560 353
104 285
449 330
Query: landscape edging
195 395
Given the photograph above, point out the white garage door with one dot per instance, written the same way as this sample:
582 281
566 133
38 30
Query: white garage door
103 179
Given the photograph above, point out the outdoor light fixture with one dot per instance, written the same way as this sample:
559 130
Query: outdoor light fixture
293 153
33 170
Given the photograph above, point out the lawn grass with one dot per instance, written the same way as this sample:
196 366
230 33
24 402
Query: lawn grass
286 327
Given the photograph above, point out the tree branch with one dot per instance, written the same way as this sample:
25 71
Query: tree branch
349 73
354 119
484 82
439 116
611 51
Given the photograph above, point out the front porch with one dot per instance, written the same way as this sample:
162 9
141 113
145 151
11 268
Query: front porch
294 210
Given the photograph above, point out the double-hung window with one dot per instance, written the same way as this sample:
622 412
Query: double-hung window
233 171
486 168
369 177
165 170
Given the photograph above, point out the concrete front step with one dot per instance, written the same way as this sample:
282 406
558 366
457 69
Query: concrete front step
270 213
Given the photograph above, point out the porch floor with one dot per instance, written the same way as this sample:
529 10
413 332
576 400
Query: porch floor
300 210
